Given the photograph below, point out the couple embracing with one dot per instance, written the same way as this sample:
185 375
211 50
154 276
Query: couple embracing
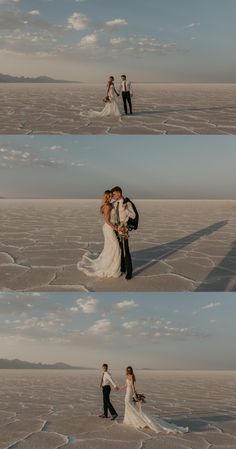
120 216
133 415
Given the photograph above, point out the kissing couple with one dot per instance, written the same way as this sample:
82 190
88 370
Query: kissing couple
133 415
111 108
120 216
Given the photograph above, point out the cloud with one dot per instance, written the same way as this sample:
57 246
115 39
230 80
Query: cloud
192 25
100 327
3 2
27 34
88 40
23 156
117 40
57 148
16 20
212 305
131 324
112 24
87 305
78 21
137 46
34 12
127 304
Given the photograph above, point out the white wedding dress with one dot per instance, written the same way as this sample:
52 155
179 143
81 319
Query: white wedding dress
110 109
135 417
108 264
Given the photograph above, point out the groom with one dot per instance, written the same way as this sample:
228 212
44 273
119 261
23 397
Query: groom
124 211
127 93
106 382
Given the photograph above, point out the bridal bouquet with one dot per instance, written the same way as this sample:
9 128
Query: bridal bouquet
123 230
106 100
139 398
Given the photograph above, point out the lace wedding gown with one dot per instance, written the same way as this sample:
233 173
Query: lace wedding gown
135 417
110 109
108 264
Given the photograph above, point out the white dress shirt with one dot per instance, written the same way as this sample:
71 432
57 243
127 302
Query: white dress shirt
107 380
126 210
129 87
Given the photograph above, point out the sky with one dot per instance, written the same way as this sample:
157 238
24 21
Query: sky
154 331
86 40
144 166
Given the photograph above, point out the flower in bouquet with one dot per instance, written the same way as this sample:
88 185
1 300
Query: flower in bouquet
123 230
139 397
106 100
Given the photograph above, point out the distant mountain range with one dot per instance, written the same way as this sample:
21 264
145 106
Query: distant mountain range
38 79
19 364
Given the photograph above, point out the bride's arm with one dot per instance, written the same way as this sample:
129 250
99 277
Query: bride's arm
116 91
107 216
123 387
108 88
133 388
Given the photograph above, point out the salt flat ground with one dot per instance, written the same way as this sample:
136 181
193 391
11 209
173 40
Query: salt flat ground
180 246
158 109
52 409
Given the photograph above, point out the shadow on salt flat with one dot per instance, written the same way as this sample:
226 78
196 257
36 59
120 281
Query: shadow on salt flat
160 252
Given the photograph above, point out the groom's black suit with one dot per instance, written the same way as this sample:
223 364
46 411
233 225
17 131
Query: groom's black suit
106 390
127 99
126 261
107 405
127 91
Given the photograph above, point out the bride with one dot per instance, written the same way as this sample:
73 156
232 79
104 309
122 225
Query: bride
135 417
108 264
111 107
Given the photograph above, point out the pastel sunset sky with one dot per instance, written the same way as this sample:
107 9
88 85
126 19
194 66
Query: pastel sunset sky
86 40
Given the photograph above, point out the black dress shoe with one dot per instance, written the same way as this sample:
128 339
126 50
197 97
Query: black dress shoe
114 417
128 277
102 416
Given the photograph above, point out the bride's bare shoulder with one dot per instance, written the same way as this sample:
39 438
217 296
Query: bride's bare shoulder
106 207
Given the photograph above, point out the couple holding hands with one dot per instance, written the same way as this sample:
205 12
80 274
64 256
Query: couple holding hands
133 415
111 108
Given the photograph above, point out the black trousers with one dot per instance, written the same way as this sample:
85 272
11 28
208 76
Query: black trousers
107 405
127 100
126 261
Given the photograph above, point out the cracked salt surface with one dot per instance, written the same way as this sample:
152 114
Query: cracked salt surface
180 246
58 409
158 109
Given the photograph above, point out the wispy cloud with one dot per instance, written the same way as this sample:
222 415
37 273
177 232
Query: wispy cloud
100 327
192 25
126 304
24 157
211 305
115 23
34 12
86 320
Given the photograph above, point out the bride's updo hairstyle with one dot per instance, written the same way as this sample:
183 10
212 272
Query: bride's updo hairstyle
130 372
105 199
